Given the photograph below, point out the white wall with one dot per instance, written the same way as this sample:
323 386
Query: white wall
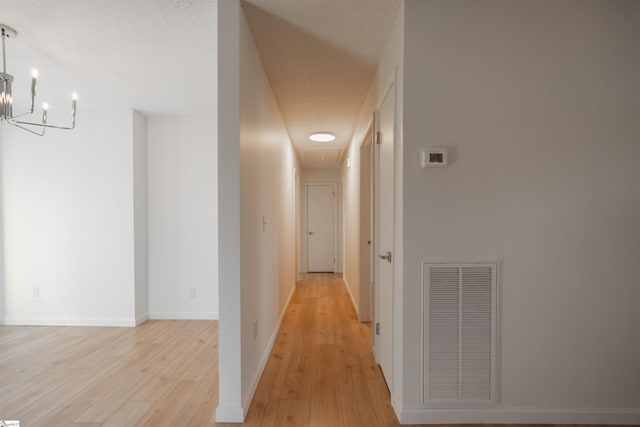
230 366
328 176
256 164
183 217
353 216
140 217
538 101
67 209
267 190
351 208
320 175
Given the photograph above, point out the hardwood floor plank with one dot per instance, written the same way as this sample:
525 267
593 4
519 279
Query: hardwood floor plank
263 410
357 409
199 411
112 400
293 413
129 414
325 400
300 370
64 414
382 407
321 371
16 403
48 401
84 425
166 412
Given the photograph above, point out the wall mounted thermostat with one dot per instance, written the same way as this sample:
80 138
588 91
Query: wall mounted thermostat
434 157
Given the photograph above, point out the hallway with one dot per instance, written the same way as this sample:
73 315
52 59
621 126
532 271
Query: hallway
321 371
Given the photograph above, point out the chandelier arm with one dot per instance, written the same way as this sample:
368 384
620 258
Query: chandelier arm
14 123
42 125
20 115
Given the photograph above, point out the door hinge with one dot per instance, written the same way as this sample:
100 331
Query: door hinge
387 256
377 328
378 137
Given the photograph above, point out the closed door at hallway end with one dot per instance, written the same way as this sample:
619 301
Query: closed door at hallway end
321 228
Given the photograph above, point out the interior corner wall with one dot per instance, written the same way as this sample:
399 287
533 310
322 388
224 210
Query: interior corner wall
351 207
537 103
67 209
230 347
183 217
267 199
141 279
350 171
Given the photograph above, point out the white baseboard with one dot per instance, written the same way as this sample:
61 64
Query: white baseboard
68 321
353 301
515 415
229 414
184 316
141 319
266 354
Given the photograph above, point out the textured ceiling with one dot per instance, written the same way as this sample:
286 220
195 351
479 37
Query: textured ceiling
320 56
158 56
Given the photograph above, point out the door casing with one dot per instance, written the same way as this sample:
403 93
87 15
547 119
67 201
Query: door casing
385 124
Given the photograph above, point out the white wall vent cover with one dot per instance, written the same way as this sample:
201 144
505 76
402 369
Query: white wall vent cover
459 334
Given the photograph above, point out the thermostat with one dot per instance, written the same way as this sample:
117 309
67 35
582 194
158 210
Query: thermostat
435 157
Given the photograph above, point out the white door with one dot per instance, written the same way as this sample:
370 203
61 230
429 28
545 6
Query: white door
321 228
384 235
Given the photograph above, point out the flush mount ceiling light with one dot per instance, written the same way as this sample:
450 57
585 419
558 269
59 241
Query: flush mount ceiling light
6 98
322 137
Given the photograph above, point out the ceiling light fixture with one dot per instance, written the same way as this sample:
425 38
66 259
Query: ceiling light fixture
6 97
322 137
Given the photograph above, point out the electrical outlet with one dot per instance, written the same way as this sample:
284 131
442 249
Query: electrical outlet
193 292
255 329
36 291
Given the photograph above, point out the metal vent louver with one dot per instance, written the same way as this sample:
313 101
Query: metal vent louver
459 342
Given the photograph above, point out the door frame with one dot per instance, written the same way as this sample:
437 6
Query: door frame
376 241
305 224
366 233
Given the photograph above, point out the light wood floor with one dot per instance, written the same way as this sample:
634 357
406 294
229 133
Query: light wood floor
162 373
321 372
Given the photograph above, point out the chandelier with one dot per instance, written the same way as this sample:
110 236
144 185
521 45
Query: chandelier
6 98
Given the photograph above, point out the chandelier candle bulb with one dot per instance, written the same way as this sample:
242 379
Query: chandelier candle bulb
34 88
34 82
74 104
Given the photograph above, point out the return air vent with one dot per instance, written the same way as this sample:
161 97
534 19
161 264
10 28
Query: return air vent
459 337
